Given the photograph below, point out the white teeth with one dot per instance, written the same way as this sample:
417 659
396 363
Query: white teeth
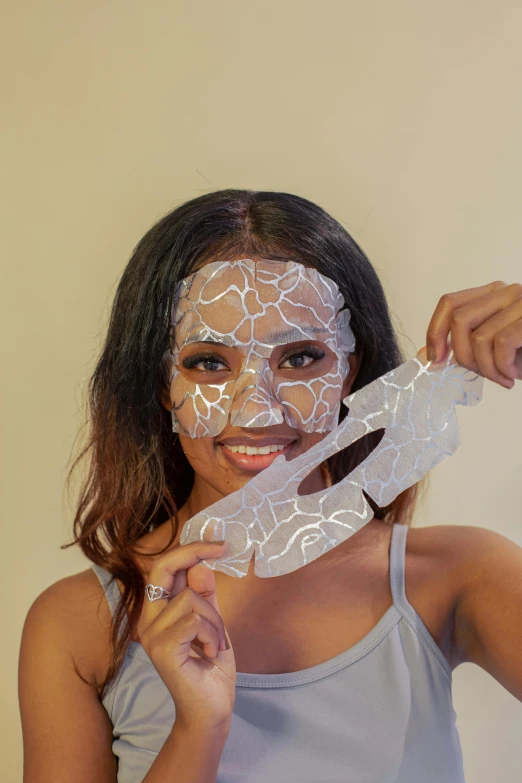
255 450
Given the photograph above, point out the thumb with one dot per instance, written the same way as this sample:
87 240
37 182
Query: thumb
201 579
422 355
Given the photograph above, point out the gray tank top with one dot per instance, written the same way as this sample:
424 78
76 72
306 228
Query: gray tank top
380 712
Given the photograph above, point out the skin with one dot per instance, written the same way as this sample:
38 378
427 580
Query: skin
247 320
465 582
475 573
218 472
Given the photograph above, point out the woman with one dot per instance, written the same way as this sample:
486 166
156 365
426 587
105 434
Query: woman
340 670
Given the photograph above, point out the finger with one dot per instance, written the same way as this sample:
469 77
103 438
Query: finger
188 602
195 628
478 321
202 580
165 568
422 355
180 580
439 325
507 347
495 345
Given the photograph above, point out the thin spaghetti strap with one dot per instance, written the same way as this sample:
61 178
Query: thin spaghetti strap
400 601
397 557
112 591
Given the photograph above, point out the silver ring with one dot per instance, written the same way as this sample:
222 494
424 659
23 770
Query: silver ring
154 593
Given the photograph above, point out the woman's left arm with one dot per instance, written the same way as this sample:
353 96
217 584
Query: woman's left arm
486 337
488 613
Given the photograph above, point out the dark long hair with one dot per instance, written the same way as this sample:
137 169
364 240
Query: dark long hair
138 475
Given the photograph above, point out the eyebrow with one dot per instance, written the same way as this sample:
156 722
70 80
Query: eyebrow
226 341
294 334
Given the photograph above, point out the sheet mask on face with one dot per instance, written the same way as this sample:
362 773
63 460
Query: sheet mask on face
255 310
286 531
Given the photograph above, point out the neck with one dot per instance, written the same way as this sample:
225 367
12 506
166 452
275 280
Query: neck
201 497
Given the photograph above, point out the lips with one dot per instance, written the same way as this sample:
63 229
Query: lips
254 454
252 450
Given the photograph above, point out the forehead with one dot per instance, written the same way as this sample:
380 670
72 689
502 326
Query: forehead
267 301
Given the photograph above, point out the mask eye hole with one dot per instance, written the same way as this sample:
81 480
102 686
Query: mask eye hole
302 361
209 363
349 458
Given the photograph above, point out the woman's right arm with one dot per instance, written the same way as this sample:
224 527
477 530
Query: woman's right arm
67 734
66 730
188 755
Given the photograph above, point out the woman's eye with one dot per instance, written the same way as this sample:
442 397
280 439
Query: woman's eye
210 365
303 358
298 360
204 363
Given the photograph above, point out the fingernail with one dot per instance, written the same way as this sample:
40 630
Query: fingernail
431 354
227 644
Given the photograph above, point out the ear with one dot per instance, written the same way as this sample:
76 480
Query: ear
165 398
164 391
354 360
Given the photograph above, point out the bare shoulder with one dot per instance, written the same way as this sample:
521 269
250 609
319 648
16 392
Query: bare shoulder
485 574
76 607
442 563
66 731
452 555
462 544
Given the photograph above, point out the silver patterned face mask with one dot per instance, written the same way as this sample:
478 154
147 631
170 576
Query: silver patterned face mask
243 316
415 405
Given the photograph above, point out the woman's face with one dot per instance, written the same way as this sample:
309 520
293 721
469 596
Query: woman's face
260 360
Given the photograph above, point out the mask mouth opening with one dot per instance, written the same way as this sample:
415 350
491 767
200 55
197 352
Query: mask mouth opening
346 460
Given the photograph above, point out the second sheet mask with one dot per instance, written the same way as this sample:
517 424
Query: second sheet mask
259 308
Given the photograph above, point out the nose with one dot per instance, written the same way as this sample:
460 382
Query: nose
255 403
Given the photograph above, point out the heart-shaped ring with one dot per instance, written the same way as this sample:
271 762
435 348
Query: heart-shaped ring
154 593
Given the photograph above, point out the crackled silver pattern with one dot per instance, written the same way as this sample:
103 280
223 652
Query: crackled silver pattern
257 306
414 403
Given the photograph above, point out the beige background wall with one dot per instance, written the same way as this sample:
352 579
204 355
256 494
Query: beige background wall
403 119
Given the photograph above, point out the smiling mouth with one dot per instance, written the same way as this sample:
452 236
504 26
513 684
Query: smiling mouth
243 454
251 450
